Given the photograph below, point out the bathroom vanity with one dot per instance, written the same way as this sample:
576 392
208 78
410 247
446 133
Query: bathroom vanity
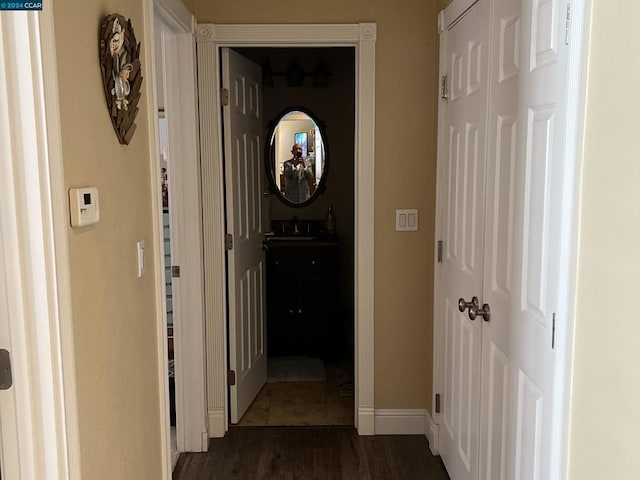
302 294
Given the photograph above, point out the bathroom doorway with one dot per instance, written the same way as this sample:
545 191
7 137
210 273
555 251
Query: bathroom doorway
308 377
211 40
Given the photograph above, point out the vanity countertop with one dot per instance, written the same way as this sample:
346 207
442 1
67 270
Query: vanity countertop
285 241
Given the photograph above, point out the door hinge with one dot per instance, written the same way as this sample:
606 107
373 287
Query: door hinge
440 243
228 241
224 96
567 32
553 331
6 377
175 271
443 87
231 377
437 403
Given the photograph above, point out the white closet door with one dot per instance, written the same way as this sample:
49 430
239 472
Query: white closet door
538 201
246 271
462 200
517 269
498 284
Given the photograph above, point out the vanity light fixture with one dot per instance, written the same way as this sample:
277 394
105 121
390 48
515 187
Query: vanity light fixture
295 75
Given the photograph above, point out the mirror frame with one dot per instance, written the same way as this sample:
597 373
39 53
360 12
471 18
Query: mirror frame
268 160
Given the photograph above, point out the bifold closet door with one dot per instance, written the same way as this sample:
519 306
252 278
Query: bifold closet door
536 406
498 281
516 221
462 194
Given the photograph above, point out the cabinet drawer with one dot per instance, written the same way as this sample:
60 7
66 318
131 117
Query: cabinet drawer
316 260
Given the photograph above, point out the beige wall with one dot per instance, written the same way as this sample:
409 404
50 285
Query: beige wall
113 310
406 70
605 419
190 4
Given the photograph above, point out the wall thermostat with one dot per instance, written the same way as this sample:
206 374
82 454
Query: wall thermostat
84 206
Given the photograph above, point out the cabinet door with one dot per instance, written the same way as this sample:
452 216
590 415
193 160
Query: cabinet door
302 290
282 302
312 314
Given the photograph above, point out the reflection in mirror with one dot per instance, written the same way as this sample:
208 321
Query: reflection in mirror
297 160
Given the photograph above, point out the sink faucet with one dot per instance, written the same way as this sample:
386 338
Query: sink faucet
295 225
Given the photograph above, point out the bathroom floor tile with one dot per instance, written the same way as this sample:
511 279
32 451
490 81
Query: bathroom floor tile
302 403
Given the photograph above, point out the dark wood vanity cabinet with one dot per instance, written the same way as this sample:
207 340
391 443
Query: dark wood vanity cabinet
302 293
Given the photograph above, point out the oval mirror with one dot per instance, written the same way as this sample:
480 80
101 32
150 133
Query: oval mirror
296 157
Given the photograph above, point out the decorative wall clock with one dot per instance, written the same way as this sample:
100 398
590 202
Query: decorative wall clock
121 74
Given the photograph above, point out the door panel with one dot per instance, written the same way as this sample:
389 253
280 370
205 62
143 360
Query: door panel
494 418
535 248
462 197
528 429
246 273
537 226
450 387
499 227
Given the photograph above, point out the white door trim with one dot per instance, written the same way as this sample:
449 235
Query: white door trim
35 221
210 39
157 239
579 37
177 49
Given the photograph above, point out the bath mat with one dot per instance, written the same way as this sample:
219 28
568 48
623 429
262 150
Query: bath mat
295 369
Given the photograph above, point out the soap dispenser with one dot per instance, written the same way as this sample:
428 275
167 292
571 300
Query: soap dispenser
330 220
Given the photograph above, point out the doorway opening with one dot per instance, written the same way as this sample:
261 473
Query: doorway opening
309 309
164 183
212 39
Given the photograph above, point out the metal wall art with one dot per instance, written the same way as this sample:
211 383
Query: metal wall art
121 74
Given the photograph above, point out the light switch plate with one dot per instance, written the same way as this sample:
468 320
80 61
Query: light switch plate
407 220
140 250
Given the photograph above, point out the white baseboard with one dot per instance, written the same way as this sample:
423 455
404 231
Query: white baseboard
432 432
366 421
400 422
217 424
370 422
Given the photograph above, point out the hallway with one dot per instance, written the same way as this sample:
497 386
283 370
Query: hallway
287 453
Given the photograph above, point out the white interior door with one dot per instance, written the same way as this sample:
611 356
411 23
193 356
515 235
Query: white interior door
498 283
462 196
176 72
539 176
9 438
246 269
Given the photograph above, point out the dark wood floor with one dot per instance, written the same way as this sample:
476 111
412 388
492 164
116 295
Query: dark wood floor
288 453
